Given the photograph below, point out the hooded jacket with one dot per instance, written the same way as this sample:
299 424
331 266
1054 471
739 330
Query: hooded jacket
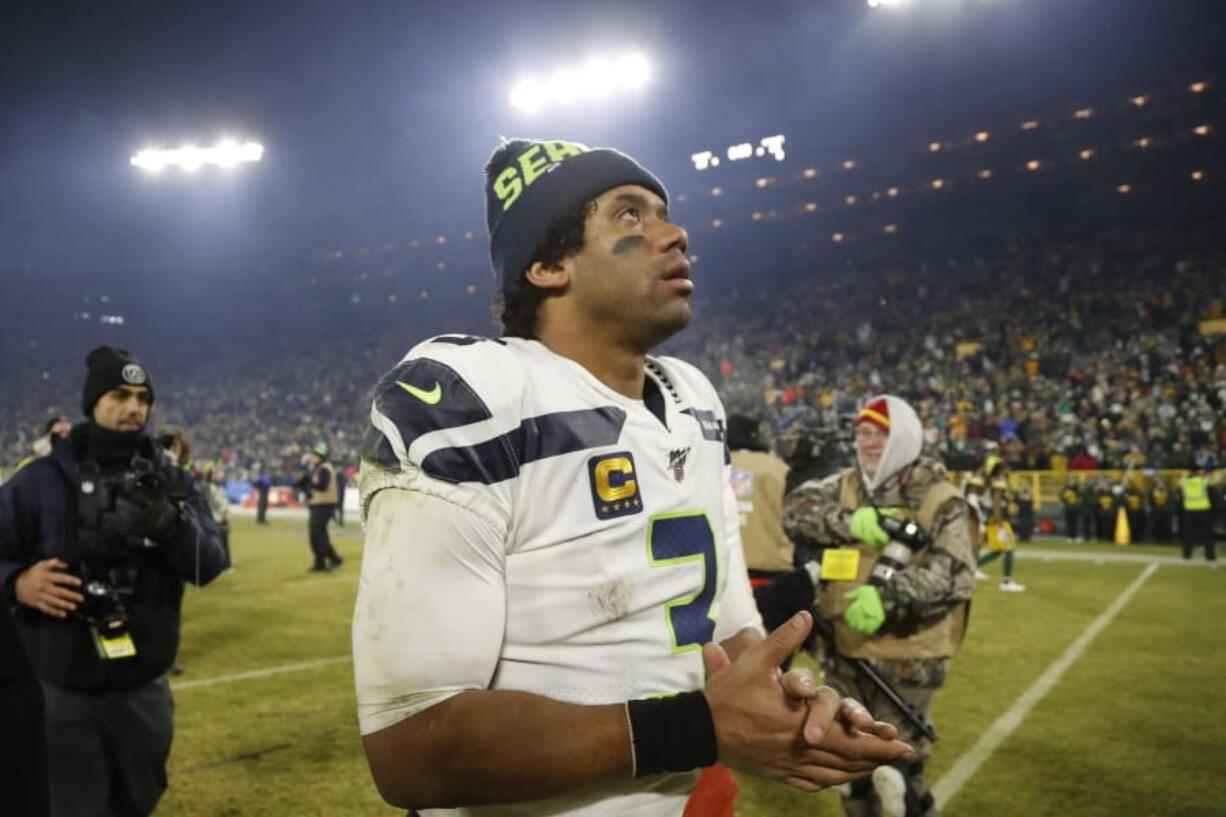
927 603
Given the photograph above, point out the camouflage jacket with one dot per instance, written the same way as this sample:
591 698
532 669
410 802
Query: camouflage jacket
938 579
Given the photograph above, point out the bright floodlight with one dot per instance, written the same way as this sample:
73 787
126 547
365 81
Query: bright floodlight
890 4
594 80
190 158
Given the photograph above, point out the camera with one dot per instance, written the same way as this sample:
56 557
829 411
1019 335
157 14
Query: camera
121 517
905 538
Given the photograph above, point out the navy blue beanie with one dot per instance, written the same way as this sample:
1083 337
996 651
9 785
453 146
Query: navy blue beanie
528 183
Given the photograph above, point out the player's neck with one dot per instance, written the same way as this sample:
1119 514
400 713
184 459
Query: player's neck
610 362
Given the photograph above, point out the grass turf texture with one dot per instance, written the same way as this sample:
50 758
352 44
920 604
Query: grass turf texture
1132 728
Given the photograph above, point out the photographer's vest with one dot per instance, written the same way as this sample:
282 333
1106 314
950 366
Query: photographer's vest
757 480
938 638
328 496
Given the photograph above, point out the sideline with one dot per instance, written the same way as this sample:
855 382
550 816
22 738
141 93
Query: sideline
952 782
258 673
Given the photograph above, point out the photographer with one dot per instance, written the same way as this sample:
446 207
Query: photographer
899 599
96 541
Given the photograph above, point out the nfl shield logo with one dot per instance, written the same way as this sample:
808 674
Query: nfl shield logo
742 483
676 462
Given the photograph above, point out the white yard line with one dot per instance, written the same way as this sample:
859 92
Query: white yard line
259 673
1099 557
966 766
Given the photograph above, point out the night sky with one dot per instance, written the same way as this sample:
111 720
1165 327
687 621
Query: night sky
377 117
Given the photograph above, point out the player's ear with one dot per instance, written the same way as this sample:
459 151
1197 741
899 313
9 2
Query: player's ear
554 277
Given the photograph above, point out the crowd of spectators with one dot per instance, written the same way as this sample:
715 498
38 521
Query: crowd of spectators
1079 355
1058 354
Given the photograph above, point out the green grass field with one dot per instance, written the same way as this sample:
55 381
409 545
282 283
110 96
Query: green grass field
1134 727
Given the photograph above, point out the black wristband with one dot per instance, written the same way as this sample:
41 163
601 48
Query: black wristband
673 734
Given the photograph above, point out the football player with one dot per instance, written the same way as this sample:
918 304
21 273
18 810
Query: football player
553 604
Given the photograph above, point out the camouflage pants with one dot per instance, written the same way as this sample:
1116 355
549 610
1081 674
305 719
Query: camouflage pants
916 681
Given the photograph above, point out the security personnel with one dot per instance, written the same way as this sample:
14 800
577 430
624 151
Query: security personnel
911 618
1070 498
1197 514
96 542
1161 510
322 496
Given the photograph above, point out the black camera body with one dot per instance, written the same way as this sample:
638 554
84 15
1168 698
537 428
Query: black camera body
906 537
120 517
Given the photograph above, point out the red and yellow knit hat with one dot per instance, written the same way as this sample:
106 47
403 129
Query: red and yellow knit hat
877 412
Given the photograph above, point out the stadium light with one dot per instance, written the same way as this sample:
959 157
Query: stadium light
771 146
595 80
982 136
887 4
190 158
1198 175
1198 87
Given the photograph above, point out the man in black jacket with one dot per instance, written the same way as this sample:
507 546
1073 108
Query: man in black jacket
96 542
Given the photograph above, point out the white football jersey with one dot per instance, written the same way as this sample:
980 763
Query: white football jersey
529 528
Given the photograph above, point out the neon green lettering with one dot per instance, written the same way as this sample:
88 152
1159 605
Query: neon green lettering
508 186
533 164
557 151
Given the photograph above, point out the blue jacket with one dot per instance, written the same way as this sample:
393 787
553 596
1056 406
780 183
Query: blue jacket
38 521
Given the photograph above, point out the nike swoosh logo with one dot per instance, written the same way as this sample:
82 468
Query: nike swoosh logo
430 398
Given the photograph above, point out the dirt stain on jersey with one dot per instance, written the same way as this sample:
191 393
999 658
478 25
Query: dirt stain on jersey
612 599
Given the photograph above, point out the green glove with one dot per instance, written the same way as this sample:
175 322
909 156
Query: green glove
866 527
865 615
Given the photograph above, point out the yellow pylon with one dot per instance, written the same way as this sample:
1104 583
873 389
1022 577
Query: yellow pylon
1123 533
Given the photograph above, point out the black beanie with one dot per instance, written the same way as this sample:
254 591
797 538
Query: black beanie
109 368
528 183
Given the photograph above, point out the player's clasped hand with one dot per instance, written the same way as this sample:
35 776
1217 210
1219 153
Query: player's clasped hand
785 729
46 587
